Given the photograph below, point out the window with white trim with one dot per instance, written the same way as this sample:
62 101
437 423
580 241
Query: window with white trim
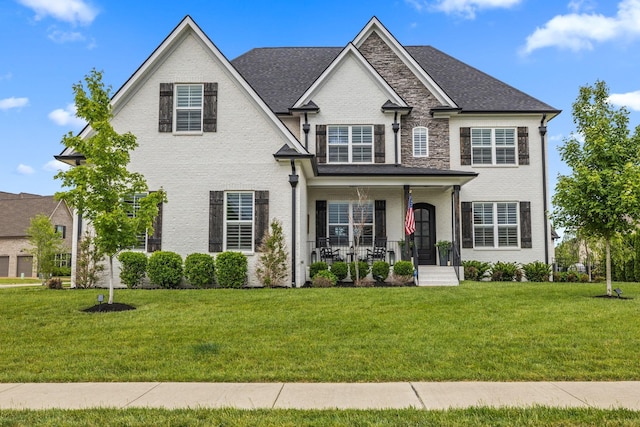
493 146
420 142
188 107
350 144
133 202
495 225
239 214
349 222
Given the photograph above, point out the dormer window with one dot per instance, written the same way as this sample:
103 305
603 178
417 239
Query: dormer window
350 144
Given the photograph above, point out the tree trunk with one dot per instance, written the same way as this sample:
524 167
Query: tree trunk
110 279
608 264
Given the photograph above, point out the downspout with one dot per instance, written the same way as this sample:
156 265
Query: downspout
395 127
543 131
293 180
306 127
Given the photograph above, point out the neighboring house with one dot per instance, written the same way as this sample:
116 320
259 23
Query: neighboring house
292 133
17 212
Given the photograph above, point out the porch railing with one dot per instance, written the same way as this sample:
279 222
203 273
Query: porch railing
389 251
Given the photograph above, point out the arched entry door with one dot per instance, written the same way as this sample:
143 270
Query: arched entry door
425 235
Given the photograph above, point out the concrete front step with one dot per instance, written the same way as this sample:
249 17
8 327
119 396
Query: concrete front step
429 275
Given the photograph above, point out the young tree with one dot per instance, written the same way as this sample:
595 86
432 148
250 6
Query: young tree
45 244
601 197
101 188
272 265
360 215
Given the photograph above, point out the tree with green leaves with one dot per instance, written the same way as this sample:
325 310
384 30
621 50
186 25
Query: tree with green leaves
101 188
601 196
46 243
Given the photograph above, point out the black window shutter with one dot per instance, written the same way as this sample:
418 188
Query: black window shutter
216 220
525 225
467 224
262 216
154 241
165 120
378 143
210 107
465 146
381 218
321 143
523 145
321 222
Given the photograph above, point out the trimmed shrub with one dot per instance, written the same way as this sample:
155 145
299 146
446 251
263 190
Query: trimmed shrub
231 269
324 279
61 271
363 269
537 271
475 270
165 269
199 269
380 270
316 267
506 272
340 270
403 271
133 266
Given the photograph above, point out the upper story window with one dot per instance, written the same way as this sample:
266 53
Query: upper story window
495 225
420 142
61 230
188 107
350 144
493 146
239 213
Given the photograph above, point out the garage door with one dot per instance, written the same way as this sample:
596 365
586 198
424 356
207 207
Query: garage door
25 266
4 266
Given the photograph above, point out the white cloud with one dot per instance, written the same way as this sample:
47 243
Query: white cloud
72 11
578 31
55 166
9 103
66 117
6 76
59 36
24 169
465 8
630 100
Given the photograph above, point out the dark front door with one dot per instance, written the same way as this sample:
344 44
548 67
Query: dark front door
425 235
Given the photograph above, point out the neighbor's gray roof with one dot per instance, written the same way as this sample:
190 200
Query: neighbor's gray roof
18 209
282 75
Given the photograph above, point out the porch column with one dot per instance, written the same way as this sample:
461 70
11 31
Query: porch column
455 241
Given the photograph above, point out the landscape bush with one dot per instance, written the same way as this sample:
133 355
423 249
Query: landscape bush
231 269
363 269
537 271
324 279
272 269
506 272
403 271
199 269
133 267
475 270
340 270
380 270
54 283
164 269
316 267
61 271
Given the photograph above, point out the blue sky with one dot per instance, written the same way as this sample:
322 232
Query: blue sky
546 48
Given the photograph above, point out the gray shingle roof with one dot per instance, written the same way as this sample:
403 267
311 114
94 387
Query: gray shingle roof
18 211
281 75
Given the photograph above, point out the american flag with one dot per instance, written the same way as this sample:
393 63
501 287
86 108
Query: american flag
410 221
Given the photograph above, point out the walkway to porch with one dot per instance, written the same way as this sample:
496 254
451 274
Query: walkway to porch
431 275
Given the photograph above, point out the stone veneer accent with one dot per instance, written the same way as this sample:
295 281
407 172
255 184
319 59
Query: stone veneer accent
409 87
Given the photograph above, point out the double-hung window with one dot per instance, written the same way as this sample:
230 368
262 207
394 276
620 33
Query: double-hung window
493 146
188 107
420 142
349 222
239 209
495 225
350 144
133 206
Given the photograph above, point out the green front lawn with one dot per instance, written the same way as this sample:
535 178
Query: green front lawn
477 331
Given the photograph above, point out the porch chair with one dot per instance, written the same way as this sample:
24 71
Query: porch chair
379 251
327 253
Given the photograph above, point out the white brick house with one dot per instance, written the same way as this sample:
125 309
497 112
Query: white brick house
291 133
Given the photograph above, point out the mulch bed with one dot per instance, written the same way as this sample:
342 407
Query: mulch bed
105 308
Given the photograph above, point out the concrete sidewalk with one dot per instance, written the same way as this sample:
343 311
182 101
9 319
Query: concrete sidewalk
421 395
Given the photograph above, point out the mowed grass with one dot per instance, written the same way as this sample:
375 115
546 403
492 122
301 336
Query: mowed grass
477 331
